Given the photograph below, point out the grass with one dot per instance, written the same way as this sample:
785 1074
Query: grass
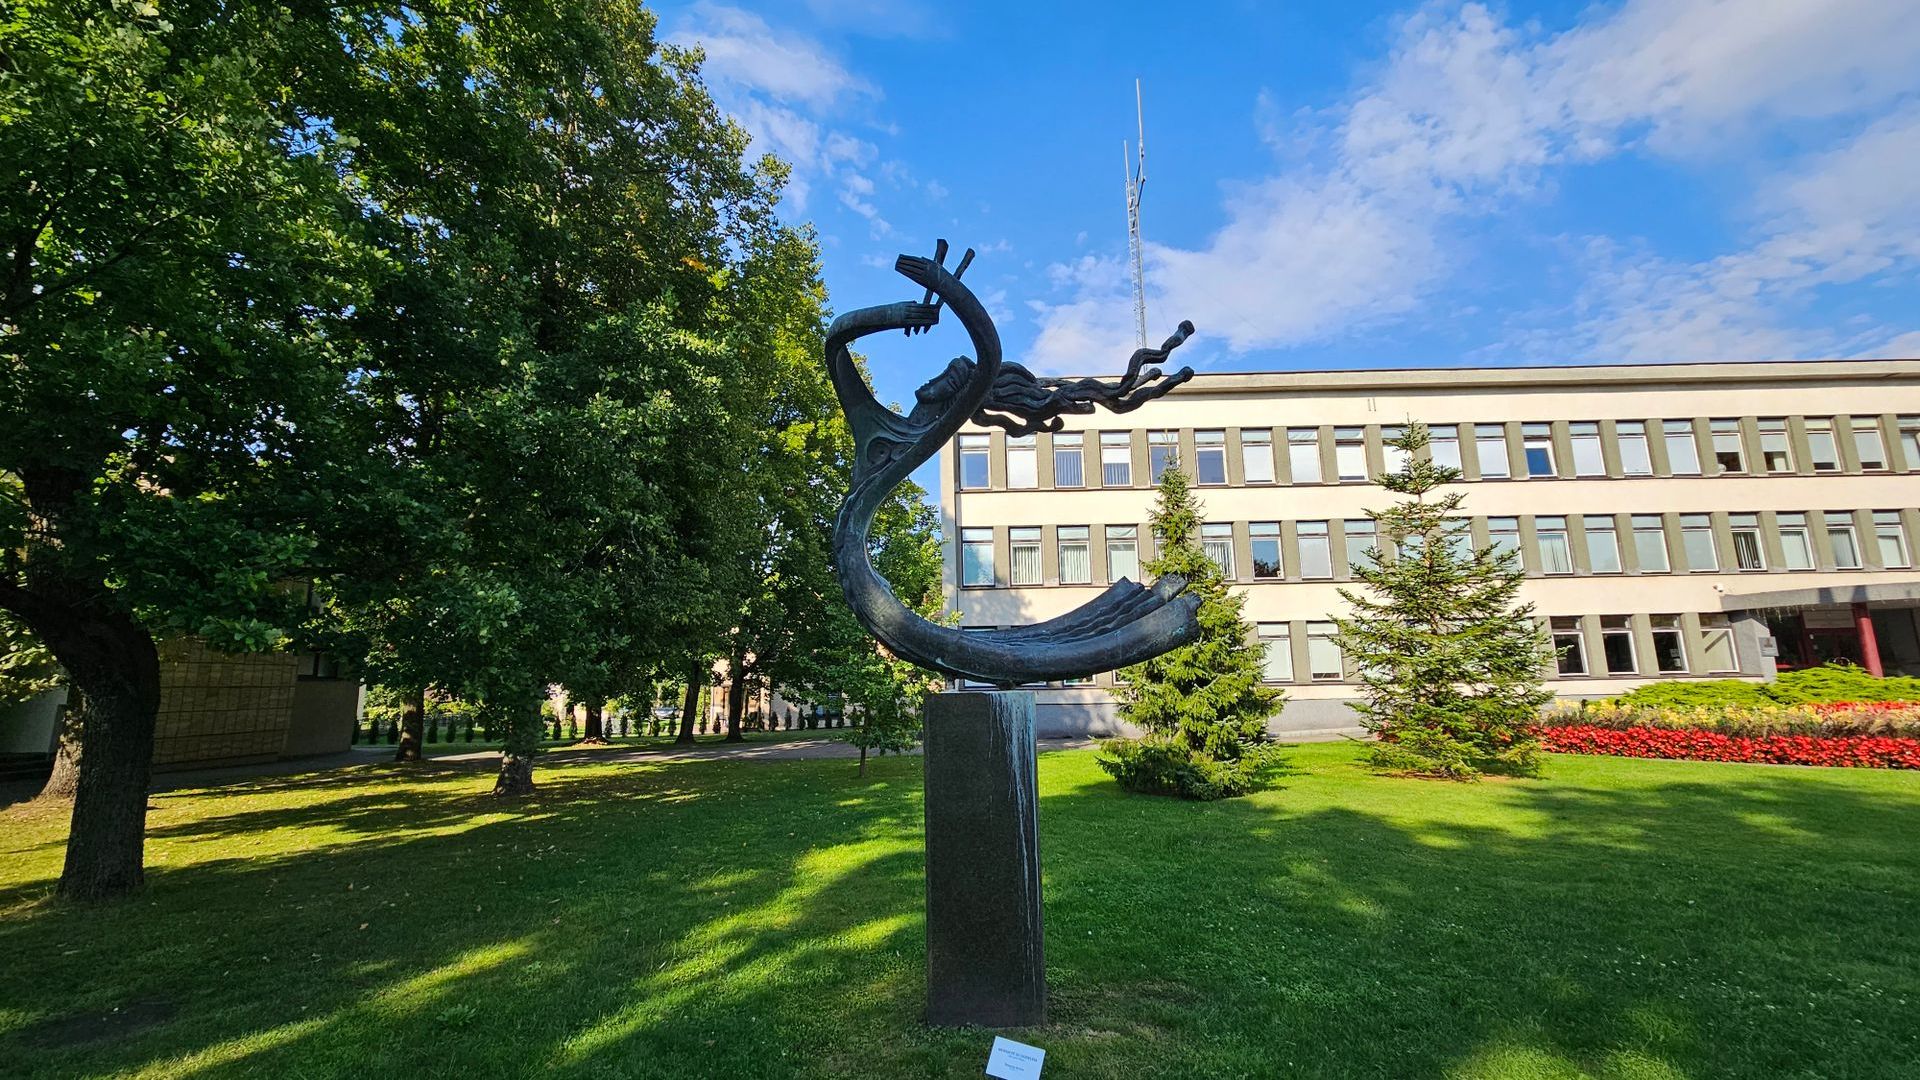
1616 918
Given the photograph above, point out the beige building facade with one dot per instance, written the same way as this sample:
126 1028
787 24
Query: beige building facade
1686 521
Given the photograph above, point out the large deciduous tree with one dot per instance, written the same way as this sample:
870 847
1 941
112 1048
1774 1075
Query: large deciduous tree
175 265
1453 666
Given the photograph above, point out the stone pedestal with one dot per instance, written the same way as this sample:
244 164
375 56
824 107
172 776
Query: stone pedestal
985 961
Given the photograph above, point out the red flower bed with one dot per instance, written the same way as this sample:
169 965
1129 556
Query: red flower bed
1861 752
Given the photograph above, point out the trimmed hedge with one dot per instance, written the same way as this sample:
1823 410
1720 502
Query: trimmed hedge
1828 683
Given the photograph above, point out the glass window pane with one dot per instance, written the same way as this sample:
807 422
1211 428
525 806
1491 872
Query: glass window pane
973 461
1683 453
1776 455
1024 565
1264 546
1866 441
1696 542
1316 557
1550 534
1569 645
1616 640
1443 445
1023 462
1256 456
1116 459
1650 543
1490 448
1537 443
1123 553
1796 543
1303 455
1890 536
1503 535
1727 452
1323 655
1394 458
1350 453
1845 542
976 556
1635 460
1068 460
1210 450
1276 642
1076 564
1669 655
1821 446
1216 540
1910 441
1585 439
1163 448
1360 541
1603 546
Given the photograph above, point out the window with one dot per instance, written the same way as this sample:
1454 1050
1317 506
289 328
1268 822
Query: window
1443 445
1323 653
1683 453
1650 543
1716 643
973 461
1585 440
1316 558
1669 653
1069 469
1891 538
1536 442
1303 455
1748 552
1350 453
1821 446
1490 447
1210 457
1696 543
1727 454
1163 449
1796 543
1550 540
1216 540
1276 658
1360 542
1616 642
1846 542
976 556
1503 535
1459 538
1603 545
1569 645
1024 545
1394 458
1116 459
1910 441
1256 456
1634 458
1023 462
1123 553
1263 543
1076 556
1776 454
1867 442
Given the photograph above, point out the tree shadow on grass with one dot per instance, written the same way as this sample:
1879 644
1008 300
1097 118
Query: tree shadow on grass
771 927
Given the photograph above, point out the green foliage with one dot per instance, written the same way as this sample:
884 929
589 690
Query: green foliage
27 669
1167 765
1827 683
1451 663
1203 702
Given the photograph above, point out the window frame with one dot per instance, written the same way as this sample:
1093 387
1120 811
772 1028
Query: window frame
1163 450
1325 545
1325 632
1063 538
1495 436
1592 525
1447 436
1608 633
1116 538
1270 634
1821 433
1885 522
1860 427
1020 538
1543 527
1774 439
1209 443
972 540
1070 446
1747 524
1623 438
1719 429
1577 630
1354 440
1674 628
1310 442
1122 442
1841 521
1584 435
975 449
1690 527
1261 533
1025 450
1638 525
1538 437
1212 535
1681 433
1262 439
1789 523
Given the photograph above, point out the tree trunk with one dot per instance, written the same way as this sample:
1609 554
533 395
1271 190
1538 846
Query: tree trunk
736 694
596 725
696 674
64 781
111 661
516 754
413 712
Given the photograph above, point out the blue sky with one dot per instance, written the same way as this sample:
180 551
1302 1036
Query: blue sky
1357 185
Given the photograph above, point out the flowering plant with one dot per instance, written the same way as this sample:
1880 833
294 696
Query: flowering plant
1700 744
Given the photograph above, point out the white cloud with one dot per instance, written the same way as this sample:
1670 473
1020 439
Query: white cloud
1467 113
744 51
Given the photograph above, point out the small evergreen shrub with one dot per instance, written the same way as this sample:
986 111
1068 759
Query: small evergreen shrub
1165 765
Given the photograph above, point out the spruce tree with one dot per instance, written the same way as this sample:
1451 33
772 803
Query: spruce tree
1452 665
1203 705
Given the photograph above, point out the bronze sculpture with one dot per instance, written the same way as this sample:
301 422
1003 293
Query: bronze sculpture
1125 625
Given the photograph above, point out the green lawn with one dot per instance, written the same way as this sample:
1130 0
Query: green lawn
1616 918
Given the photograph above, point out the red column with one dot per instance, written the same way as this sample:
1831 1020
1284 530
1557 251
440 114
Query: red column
1869 646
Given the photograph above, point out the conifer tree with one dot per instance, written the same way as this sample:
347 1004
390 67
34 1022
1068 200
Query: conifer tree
1452 665
1203 705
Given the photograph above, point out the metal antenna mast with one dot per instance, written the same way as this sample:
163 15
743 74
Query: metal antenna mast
1136 180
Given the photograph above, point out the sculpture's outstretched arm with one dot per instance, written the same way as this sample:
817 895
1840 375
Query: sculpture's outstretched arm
1023 404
